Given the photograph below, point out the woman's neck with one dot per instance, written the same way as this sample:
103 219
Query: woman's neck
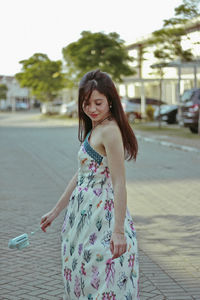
101 121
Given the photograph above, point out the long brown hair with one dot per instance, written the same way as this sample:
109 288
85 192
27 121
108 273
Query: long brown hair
101 81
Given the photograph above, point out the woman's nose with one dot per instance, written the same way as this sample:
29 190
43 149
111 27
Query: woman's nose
92 108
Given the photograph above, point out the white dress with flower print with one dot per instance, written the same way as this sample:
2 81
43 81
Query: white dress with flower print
87 266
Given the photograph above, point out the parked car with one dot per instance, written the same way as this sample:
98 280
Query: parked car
4 106
132 106
168 113
131 109
51 107
190 109
21 105
149 101
70 109
36 104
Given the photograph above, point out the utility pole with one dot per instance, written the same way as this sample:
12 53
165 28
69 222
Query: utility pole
160 101
143 100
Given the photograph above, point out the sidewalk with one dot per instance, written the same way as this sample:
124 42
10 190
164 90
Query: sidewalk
189 142
163 197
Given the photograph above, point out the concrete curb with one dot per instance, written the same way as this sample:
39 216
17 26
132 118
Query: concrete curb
168 144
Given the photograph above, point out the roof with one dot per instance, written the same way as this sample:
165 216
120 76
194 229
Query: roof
191 26
178 63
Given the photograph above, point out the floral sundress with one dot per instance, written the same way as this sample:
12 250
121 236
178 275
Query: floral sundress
87 267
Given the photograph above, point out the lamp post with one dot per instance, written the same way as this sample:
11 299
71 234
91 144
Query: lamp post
159 103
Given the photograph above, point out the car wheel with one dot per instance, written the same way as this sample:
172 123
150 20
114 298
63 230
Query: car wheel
171 121
194 129
131 117
177 118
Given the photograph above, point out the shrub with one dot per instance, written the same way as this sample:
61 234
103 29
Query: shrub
150 112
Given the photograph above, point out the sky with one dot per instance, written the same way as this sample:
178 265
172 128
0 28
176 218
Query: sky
46 26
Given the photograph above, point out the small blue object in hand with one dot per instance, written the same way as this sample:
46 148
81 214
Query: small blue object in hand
19 242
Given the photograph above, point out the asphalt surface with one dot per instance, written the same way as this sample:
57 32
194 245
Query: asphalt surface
37 159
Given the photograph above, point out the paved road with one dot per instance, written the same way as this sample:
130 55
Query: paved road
163 187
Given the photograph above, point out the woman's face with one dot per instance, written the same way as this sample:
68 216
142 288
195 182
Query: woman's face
96 108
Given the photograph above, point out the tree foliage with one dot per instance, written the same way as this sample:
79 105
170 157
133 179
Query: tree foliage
168 39
3 91
43 76
97 51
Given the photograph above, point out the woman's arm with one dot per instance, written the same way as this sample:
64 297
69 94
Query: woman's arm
61 204
64 199
113 144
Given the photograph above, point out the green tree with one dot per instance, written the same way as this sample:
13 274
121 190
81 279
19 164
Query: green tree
168 39
43 76
3 91
97 51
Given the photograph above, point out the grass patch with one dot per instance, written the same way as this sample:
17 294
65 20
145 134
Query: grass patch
168 130
55 117
65 118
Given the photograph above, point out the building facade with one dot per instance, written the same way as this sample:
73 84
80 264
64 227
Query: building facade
147 81
15 94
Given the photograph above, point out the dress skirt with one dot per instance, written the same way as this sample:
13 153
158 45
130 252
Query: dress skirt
87 267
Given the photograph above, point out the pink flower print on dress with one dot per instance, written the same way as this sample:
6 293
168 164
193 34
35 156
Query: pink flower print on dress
131 260
93 166
109 205
80 248
97 192
95 278
132 225
92 238
83 269
109 296
110 272
67 274
83 149
77 287
106 172
82 189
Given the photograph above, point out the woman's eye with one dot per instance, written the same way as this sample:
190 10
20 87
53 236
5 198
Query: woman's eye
98 104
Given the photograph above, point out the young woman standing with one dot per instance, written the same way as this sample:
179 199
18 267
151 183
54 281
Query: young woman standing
99 245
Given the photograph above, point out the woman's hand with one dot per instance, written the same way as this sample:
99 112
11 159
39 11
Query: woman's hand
118 244
47 219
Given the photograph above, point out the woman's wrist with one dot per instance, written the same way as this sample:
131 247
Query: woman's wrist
55 212
118 230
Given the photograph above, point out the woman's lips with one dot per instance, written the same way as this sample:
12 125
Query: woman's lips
93 115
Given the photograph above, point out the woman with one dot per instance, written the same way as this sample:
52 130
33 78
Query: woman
99 246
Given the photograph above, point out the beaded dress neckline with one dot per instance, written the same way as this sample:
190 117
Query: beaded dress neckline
92 152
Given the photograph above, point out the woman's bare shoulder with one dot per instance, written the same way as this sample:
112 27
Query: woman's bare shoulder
111 131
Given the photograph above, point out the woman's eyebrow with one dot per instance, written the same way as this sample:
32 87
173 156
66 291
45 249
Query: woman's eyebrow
97 99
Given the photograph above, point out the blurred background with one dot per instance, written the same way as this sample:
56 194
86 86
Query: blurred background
151 49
